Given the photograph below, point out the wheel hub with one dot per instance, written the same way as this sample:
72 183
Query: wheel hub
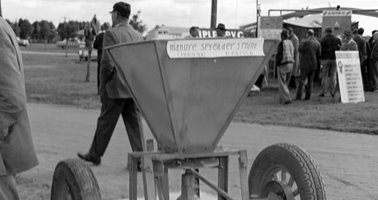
280 189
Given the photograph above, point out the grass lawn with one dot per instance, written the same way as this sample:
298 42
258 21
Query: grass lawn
58 79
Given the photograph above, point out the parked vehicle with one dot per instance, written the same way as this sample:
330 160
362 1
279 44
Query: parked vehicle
72 43
22 42
83 55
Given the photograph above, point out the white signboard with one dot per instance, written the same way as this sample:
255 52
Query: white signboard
213 48
270 27
349 74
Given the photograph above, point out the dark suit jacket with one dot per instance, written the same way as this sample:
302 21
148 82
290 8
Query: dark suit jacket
17 152
309 54
112 85
97 44
374 52
362 47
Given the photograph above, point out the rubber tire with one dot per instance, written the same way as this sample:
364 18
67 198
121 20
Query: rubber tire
75 178
296 161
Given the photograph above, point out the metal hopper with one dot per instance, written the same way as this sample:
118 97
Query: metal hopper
189 90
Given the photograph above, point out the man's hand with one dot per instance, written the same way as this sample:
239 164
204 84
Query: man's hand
4 133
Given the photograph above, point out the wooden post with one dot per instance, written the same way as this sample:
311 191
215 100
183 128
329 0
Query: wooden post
223 175
243 164
187 186
133 177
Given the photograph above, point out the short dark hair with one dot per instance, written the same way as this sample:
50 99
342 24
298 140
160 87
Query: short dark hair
193 28
221 27
328 30
361 31
347 33
284 33
124 9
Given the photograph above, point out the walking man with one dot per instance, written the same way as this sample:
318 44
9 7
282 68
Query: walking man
115 97
309 51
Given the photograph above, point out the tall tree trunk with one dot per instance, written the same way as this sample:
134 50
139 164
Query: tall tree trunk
66 48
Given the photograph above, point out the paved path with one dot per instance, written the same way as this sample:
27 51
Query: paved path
348 162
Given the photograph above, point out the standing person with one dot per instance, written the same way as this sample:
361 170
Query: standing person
97 44
115 97
309 50
296 72
347 42
284 62
221 30
374 63
193 31
329 44
362 45
17 152
370 70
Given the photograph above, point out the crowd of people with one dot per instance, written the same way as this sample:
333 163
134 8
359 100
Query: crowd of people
297 62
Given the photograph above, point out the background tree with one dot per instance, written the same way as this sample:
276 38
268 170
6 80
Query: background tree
26 28
137 24
45 31
16 28
36 31
67 31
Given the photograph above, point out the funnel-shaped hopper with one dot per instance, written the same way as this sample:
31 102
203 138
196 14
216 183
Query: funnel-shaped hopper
189 97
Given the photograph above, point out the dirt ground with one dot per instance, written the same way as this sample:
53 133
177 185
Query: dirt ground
347 161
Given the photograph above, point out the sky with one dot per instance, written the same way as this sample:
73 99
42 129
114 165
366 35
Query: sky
181 13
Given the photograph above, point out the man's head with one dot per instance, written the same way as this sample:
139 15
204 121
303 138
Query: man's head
105 26
221 30
121 12
347 36
328 30
310 33
360 31
194 31
291 31
375 36
284 34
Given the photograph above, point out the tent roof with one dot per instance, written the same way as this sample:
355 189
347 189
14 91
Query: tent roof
308 21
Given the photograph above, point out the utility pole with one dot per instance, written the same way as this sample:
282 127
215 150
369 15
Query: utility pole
1 12
214 5
257 16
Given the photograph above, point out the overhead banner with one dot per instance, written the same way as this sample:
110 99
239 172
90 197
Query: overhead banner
270 27
349 74
213 48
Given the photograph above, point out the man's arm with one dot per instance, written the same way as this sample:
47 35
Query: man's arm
12 91
107 66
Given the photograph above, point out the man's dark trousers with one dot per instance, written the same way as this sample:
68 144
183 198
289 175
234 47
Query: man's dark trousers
111 109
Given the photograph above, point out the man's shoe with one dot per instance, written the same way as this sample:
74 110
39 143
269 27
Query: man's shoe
89 158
